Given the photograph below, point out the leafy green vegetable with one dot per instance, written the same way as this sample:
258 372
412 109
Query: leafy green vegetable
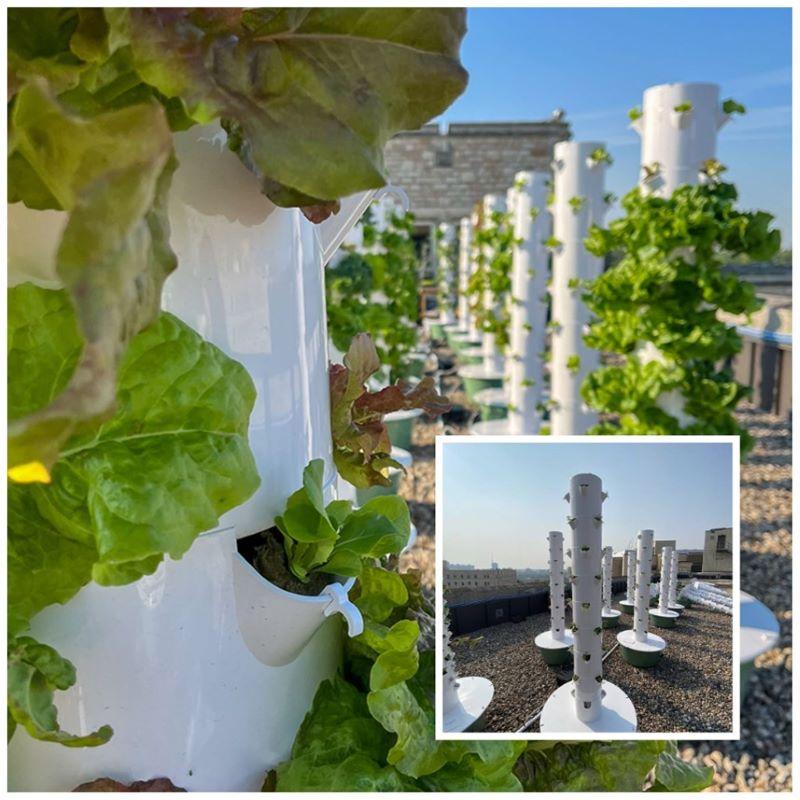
489 284
298 87
35 671
682 108
635 113
576 204
672 774
665 291
730 106
334 538
144 484
601 156
361 444
377 291
111 173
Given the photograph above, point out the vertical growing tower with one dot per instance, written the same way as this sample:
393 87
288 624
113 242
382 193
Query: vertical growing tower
579 204
662 617
587 703
629 603
610 615
555 644
640 647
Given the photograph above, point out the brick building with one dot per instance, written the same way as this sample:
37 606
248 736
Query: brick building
445 172
478 578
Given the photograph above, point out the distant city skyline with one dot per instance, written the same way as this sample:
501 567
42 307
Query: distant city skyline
596 62
501 499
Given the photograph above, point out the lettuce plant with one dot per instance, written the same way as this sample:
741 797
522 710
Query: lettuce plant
372 728
663 296
494 233
377 291
334 538
361 445
95 95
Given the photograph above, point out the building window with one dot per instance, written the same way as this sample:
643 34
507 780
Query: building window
444 155
721 542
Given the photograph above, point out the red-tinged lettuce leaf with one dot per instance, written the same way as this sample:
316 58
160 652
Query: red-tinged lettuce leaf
35 672
111 174
309 97
361 444
110 785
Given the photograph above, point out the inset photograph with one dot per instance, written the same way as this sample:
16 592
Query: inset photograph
586 587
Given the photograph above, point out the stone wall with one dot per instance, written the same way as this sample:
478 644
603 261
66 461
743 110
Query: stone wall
446 173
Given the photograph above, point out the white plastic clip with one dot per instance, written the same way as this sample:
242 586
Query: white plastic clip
340 604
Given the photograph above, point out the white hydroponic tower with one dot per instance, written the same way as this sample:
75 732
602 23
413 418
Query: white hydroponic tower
663 617
629 602
464 700
464 244
579 204
529 275
554 644
678 126
447 233
672 594
640 647
610 615
587 703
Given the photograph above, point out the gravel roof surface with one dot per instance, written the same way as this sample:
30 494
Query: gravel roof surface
761 760
690 689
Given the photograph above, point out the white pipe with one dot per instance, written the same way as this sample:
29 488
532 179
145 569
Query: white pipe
644 562
475 334
672 595
678 141
586 497
608 561
556 564
450 677
492 356
464 245
529 307
448 237
630 564
666 568
576 176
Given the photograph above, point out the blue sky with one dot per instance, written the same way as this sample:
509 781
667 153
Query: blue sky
502 499
595 64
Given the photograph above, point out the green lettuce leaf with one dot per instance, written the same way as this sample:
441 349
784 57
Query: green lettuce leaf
148 481
673 774
111 173
295 87
35 671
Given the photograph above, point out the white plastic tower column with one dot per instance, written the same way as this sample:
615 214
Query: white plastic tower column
672 594
678 141
529 307
639 646
447 233
475 334
464 700
674 146
575 176
587 703
183 661
464 246
610 615
558 637
492 355
630 589
663 616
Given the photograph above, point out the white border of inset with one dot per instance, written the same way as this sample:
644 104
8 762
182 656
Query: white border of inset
733 441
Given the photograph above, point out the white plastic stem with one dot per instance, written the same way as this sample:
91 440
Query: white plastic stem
464 259
630 565
608 560
666 570
448 234
529 276
475 334
450 677
575 176
586 497
644 562
492 356
678 141
672 595
557 620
